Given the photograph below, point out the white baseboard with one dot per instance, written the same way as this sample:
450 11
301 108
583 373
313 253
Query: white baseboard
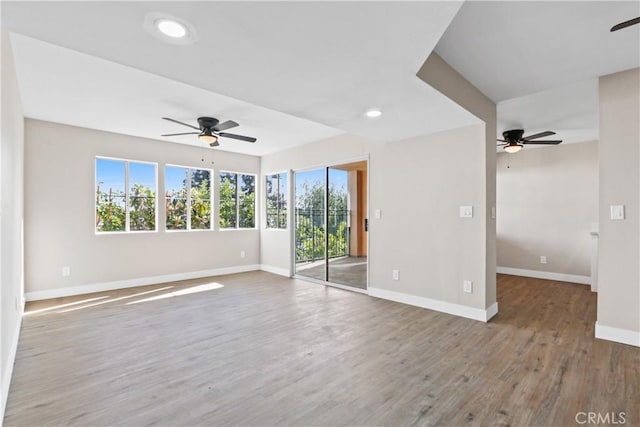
8 371
491 311
275 270
573 278
624 336
437 305
131 283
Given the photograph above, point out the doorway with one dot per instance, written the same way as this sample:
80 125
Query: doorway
331 224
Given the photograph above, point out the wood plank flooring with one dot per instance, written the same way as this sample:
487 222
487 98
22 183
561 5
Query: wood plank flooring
267 350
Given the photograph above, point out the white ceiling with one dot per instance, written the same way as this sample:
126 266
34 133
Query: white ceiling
571 111
511 49
288 72
100 94
541 60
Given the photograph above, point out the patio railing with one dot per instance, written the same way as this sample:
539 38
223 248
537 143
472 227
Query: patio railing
310 237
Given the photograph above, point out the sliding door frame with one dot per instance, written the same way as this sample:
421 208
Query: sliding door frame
292 220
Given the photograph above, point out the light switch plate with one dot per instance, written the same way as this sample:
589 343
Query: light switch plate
617 212
493 212
377 214
466 211
468 286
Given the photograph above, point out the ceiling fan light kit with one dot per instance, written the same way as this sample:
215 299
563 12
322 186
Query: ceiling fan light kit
208 137
514 140
513 148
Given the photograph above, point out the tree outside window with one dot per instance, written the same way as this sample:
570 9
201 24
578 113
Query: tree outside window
187 198
276 200
237 200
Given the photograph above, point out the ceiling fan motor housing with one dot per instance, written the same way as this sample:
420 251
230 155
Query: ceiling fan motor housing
207 122
514 135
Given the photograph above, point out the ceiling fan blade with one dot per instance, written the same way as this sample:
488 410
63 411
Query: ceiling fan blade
538 135
185 133
234 136
181 123
501 140
225 125
625 24
549 142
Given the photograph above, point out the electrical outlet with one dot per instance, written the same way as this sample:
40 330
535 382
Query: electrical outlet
66 271
467 286
242 254
543 259
396 274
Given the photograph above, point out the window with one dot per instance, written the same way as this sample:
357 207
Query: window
276 192
188 198
237 200
125 195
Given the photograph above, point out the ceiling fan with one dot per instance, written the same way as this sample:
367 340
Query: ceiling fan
210 129
625 24
514 141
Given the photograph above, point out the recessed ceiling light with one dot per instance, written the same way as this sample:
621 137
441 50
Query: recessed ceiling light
373 113
171 28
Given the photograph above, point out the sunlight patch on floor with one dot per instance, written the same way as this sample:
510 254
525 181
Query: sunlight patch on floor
116 299
200 288
56 307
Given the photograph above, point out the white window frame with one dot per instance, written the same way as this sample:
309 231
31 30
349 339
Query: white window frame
127 228
255 202
211 191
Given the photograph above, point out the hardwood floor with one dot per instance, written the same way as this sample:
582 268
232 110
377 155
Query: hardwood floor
266 350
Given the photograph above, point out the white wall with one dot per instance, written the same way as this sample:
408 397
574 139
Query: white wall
59 218
418 184
444 78
547 199
11 214
619 243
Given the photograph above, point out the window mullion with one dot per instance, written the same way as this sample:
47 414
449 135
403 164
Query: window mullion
237 201
188 179
127 198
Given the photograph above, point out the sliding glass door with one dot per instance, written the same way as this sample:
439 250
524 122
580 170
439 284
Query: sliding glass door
330 225
309 221
337 225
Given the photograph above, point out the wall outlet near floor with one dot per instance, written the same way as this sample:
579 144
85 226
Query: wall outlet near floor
66 271
242 254
467 286
395 274
543 259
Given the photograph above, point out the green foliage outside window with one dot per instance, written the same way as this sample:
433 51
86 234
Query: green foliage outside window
188 203
310 228
276 200
237 200
112 178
